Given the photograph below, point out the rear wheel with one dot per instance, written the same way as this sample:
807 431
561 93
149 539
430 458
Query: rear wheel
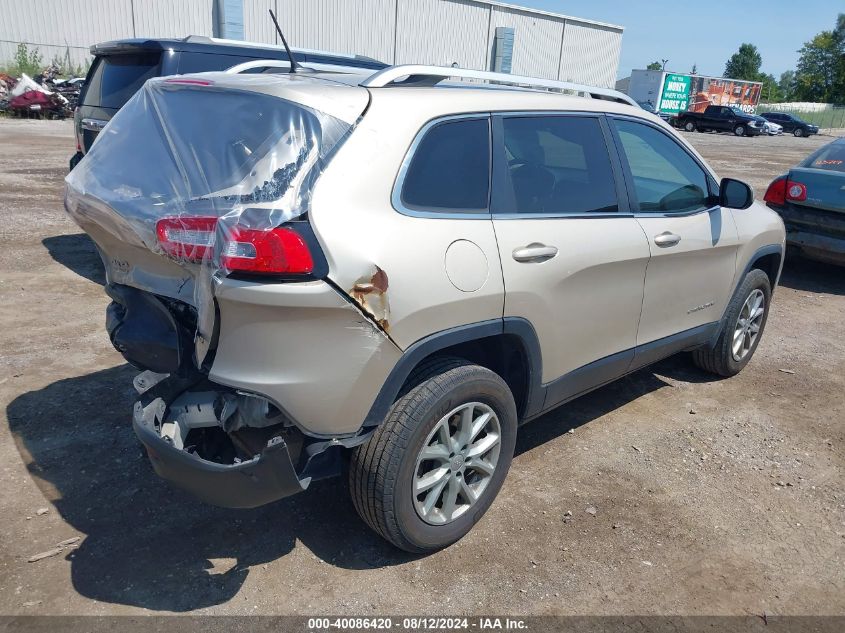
689 126
742 329
798 132
432 470
739 130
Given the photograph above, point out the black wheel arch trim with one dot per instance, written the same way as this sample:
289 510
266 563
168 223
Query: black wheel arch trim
414 354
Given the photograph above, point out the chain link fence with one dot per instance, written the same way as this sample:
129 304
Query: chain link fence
830 118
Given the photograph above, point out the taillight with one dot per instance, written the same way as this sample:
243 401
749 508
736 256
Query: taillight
186 238
279 250
271 251
795 191
776 193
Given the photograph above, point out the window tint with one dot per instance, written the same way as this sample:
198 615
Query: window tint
117 77
666 177
558 164
450 169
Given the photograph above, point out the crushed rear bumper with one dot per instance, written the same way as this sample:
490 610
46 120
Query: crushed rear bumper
267 477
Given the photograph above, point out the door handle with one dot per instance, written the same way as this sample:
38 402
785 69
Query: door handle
534 252
666 239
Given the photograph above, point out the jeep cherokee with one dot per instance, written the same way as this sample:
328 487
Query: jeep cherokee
384 275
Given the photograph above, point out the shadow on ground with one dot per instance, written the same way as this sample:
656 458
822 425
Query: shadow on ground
800 273
77 253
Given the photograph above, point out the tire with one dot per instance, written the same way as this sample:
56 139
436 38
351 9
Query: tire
690 126
798 132
383 471
739 130
721 359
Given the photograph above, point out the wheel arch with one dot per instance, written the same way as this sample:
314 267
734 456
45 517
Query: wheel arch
767 258
506 346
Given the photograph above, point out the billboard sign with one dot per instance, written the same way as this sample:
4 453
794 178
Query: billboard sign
676 94
725 92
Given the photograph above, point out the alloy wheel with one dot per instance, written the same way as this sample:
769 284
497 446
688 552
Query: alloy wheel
456 463
748 324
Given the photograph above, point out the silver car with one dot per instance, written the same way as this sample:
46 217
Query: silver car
385 275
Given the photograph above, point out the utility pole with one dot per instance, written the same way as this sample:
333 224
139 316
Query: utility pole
665 61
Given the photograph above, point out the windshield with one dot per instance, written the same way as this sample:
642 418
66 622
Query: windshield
739 112
116 78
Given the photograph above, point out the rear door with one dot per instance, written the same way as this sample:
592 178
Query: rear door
573 257
693 240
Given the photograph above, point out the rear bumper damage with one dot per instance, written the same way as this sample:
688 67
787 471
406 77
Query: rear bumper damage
267 477
228 448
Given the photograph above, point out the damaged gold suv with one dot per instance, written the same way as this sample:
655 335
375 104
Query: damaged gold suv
385 274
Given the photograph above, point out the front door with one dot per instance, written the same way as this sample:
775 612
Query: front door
573 257
693 241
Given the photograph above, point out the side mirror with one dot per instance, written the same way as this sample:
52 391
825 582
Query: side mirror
735 194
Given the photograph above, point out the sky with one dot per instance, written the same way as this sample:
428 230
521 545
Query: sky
704 32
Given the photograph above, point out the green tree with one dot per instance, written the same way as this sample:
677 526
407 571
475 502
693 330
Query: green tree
744 64
654 66
26 61
771 92
786 84
838 90
816 72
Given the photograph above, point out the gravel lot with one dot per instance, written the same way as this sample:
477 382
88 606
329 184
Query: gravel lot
710 497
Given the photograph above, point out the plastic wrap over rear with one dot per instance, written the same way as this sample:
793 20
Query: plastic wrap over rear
192 164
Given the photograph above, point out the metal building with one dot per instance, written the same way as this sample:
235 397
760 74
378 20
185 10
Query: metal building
478 34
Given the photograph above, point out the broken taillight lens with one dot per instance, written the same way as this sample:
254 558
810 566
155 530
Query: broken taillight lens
186 238
270 251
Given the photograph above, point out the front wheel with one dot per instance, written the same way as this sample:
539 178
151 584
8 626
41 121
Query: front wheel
739 130
742 328
434 467
798 132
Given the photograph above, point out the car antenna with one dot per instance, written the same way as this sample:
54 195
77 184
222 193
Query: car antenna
294 66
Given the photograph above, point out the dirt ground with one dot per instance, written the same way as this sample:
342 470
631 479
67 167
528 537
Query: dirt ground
710 496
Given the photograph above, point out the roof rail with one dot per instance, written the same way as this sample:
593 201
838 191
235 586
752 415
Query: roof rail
419 75
309 67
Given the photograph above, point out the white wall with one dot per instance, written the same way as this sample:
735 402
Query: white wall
395 31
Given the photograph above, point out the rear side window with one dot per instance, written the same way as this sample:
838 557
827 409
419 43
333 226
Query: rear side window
450 168
117 77
666 178
558 164
830 158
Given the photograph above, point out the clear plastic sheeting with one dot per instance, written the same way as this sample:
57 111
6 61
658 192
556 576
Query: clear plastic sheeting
196 175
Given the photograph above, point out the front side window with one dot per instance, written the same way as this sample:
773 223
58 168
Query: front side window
450 168
558 164
666 178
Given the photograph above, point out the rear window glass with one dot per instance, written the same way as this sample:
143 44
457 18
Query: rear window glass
117 77
450 169
831 158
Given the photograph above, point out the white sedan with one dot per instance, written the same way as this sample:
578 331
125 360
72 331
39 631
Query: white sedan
773 129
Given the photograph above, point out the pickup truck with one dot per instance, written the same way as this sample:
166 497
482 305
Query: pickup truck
720 119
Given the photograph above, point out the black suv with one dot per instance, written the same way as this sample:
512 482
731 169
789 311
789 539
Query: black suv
791 124
121 67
